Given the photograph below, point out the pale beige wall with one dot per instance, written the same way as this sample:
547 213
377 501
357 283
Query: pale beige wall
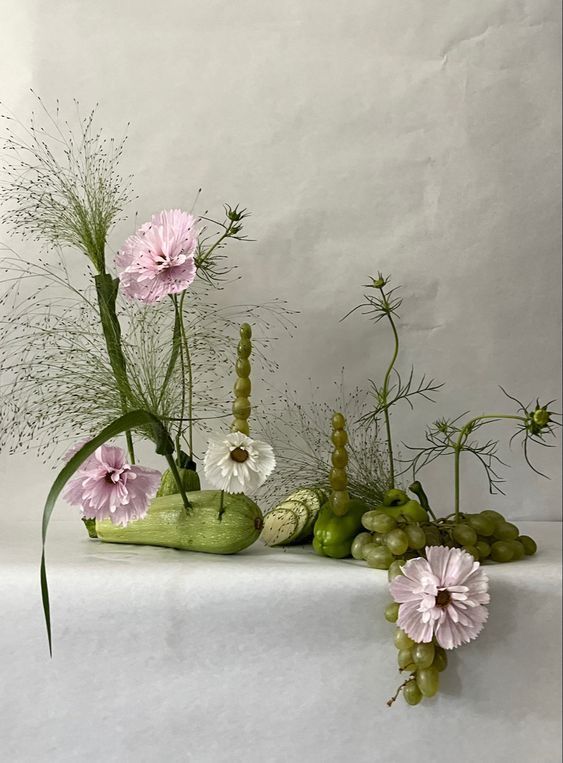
420 138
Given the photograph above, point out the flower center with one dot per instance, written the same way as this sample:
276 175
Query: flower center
115 475
239 455
443 598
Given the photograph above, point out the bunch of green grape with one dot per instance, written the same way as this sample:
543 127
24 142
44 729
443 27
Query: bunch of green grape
487 535
388 542
424 663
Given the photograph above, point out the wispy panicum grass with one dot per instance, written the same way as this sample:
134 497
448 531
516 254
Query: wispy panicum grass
56 384
300 435
60 182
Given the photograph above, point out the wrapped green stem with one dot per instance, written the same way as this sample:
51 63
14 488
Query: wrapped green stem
106 291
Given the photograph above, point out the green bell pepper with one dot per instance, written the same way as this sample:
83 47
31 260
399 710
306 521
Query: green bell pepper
334 535
397 502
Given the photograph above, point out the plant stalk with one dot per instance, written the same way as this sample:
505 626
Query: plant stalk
178 480
458 448
385 393
187 377
190 377
106 291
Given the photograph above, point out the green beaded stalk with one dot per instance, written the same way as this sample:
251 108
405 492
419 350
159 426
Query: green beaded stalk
338 476
243 386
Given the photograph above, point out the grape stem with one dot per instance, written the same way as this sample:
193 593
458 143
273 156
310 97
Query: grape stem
458 447
399 690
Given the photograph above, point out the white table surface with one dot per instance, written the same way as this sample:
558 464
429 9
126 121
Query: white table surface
267 656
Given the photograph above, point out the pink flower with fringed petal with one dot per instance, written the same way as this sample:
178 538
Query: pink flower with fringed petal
442 597
107 487
158 259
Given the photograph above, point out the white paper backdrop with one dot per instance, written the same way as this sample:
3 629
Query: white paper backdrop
421 139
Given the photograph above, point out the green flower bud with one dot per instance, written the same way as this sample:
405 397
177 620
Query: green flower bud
541 417
539 420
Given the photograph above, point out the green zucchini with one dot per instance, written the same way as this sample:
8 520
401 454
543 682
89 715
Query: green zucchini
215 524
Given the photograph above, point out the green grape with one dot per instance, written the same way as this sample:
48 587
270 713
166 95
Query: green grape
501 551
484 526
380 558
404 659
358 545
494 515
474 551
428 681
401 640
397 541
367 547
416 536
506 531
483 548
412 693
530 546
518 550
440 659
464 535
432 535
395 568
392 612
423 655
377 538
366 519
381 523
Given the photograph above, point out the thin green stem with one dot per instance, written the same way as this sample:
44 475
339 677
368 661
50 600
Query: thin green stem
189 370
179 484
464 433
385 394
129 437
178 438
211 249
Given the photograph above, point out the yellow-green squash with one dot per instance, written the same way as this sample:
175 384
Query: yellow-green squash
215 524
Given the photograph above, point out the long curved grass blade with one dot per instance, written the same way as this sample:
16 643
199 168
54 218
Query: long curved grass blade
164 446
